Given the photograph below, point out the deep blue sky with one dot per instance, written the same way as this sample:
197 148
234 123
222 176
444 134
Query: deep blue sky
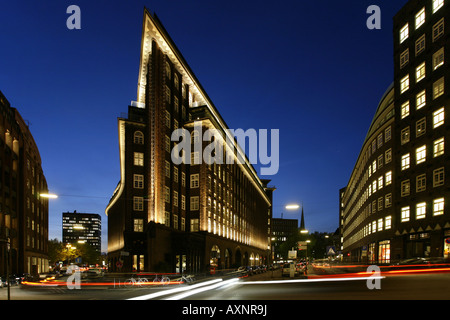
310 69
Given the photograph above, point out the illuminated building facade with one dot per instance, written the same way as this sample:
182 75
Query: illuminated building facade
23 213
82 228
172 216
282 230
410 189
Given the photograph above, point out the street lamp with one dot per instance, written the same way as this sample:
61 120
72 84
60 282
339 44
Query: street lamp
292 207
49 195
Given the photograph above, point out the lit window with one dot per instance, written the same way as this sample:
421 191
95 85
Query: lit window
421 100
421 154
438 207
404 84
175 198
405 161
438 88
438 29
438 177
404 33
195 225
388 156
420 18
380 161
168 95
438 59
387 134
195 180
195 158
438 147
421 183
405 214
138 181
421 127
167 194
388 177
420 72
374 186
388 200
380 182
138 203
175 174
421 210
380 140
183 202
167 219
374 166
380 224
175 221
437 4
167 169
138 137
138 225
404 58
404 135
167 143
438 118
138 159
387 222
404 111
420 45
167 119
195 203
405 188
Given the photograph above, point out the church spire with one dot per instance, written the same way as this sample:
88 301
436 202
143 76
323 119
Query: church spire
302 222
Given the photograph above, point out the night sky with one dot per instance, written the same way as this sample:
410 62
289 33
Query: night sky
311 69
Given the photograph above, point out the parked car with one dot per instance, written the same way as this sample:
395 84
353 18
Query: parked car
242 270
286 269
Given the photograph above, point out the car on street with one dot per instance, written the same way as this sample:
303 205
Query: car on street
299 269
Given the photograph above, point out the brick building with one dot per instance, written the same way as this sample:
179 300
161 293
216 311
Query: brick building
399 209
181 215
23 213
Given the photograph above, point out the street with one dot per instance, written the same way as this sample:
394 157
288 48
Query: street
429 285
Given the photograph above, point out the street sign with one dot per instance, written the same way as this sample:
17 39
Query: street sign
292 254
302 245
331 250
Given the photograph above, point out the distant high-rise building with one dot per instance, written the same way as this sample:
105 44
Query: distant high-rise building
187 215
396 204
23 212
82 228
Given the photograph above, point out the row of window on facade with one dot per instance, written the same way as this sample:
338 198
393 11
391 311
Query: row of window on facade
437 209
420 19
421 154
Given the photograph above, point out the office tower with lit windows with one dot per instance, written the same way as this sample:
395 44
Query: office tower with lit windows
366 204
81 228
176 216
421 77
23 212
399 209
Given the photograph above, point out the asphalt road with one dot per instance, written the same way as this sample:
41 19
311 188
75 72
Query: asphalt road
266 286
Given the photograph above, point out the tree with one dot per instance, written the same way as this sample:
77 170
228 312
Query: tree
58 251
